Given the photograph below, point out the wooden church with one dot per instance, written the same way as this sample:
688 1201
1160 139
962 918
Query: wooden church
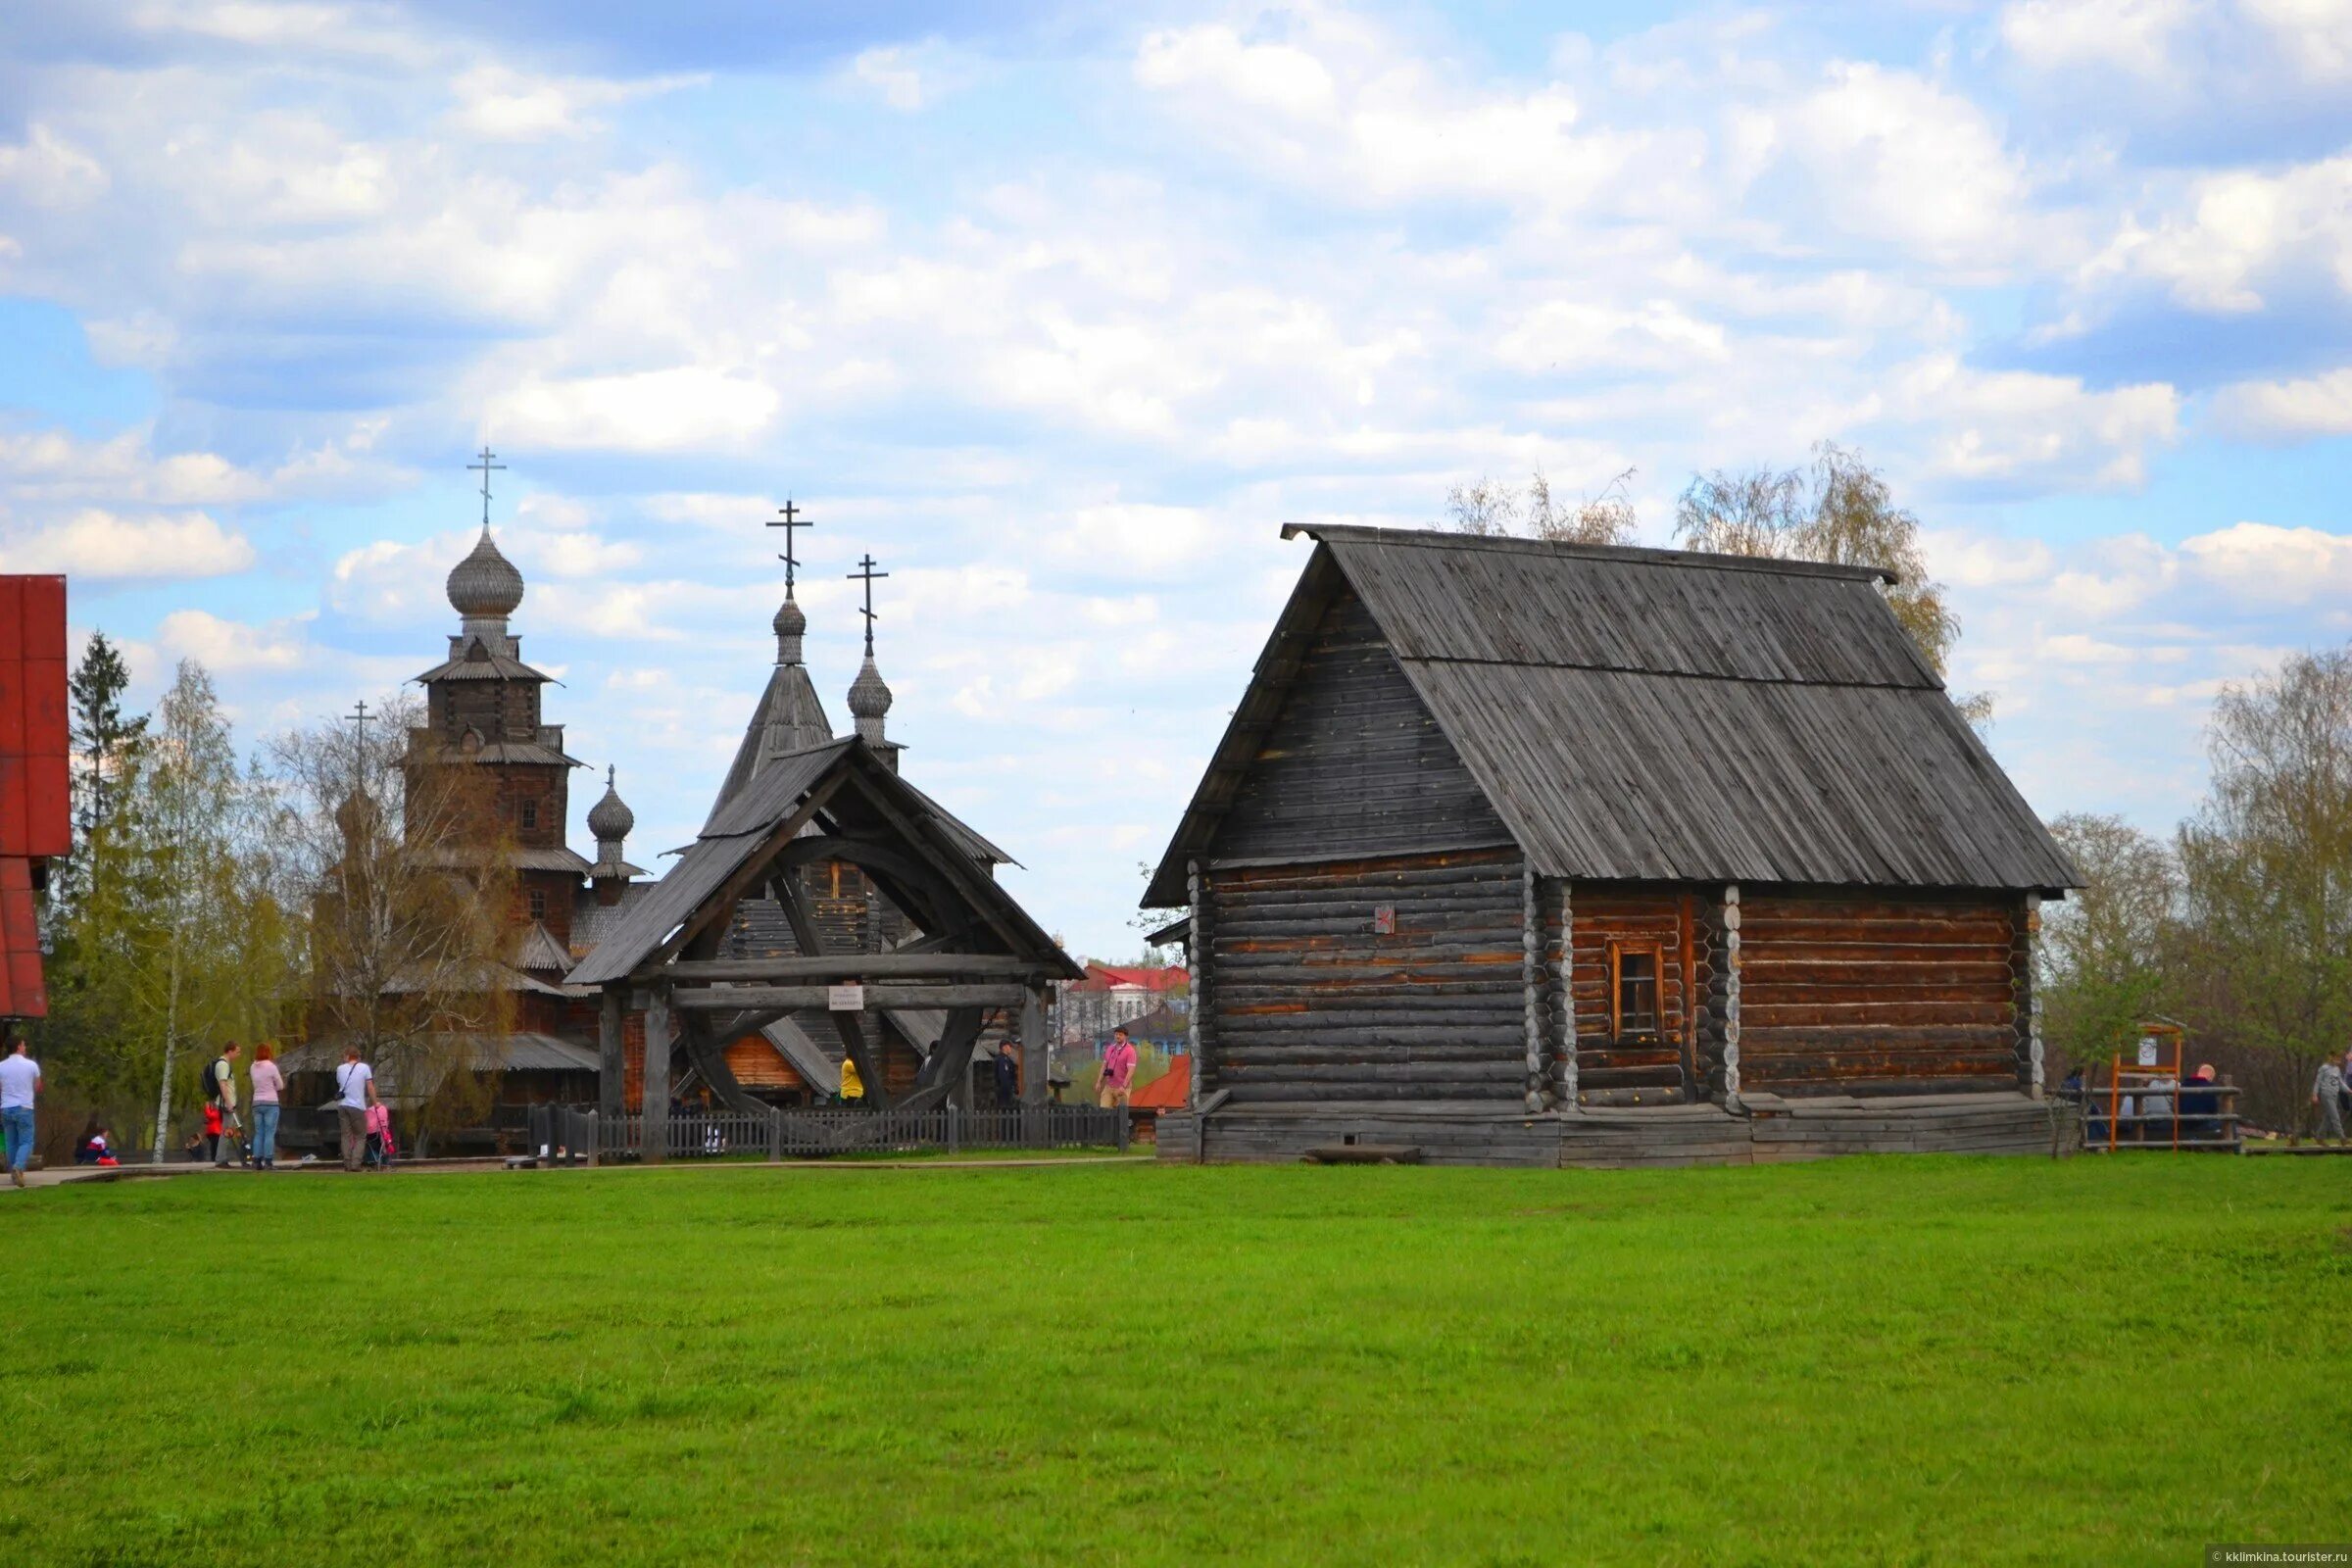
1529 852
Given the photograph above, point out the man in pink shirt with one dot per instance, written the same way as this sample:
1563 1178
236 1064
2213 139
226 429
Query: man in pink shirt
1118 1073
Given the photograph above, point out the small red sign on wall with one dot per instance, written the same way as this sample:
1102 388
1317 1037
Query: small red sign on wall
1384 919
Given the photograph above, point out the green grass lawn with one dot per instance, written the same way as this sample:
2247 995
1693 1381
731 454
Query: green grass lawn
1886 1361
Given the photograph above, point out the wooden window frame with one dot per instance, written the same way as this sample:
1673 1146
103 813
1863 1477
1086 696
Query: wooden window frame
534 901
1618 948
527 815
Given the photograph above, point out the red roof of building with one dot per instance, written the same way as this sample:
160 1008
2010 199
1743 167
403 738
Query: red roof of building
1103 976
1167 1092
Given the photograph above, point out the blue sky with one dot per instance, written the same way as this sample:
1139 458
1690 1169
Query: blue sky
1062 310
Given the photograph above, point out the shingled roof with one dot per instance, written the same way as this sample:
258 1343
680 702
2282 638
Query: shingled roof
1654 714
743 826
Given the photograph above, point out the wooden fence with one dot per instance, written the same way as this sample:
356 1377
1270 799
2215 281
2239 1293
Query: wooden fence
568 1133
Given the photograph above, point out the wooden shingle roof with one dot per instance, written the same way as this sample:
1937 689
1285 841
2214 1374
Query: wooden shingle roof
1639 714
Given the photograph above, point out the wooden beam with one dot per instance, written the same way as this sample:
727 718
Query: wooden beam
658 1032
868 966
847 1025
1531 980
1035 1049
611 1054
952 1053
719 908
708 1053
961 875
878 999
1731 994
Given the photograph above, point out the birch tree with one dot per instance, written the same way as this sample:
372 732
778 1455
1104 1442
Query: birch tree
411 904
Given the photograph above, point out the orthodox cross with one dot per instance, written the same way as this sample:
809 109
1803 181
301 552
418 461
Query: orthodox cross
790 522
359 744
866 573
484 463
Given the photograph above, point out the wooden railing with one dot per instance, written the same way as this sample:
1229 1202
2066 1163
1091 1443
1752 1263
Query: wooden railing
565 1134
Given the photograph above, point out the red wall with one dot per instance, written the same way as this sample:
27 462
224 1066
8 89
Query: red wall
35 818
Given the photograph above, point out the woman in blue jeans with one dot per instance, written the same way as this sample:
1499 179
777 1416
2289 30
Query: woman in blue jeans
268 1081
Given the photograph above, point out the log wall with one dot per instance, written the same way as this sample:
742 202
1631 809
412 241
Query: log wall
1354 766
1307 1000
1629 1068
1884 994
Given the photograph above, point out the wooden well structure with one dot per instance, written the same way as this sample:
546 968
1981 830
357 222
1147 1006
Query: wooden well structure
973 950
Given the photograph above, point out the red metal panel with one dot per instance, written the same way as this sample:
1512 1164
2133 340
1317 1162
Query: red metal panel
12 705
29 999
15 874
44 617
48 808
45 707
12 618
14 814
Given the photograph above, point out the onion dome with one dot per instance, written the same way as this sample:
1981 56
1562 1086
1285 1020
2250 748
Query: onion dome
790 623
869 697
610 820
485 586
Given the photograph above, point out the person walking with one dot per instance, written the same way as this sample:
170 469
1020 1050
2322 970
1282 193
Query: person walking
2327 1093
355 1092
20 1087
1118 1073
268 1084
221 1092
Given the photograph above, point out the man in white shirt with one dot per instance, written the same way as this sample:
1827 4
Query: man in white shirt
355 1092
20 1086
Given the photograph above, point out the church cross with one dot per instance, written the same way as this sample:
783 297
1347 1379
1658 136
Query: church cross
790 524
359 746
867 574
484 463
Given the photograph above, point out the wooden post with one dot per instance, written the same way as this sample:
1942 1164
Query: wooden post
1035 1055
611 1054
596 1139
654 1146
1731 994
1531 976
1567 1068
1198 948
2026 979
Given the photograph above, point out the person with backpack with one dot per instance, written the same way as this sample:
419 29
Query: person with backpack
221 1104
355 1092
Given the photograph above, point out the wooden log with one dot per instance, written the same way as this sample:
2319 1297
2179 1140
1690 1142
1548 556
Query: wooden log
878 999
612 1053
660 1029
851 965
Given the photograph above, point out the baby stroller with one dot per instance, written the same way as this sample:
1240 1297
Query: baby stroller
381 1150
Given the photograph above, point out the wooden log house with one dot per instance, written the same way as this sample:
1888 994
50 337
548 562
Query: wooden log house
1529 852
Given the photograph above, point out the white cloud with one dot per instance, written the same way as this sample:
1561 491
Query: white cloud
231 647
106 545
2319 405
500 104
2260 563
49 172
2019 426
2228 236
684 408
2135 36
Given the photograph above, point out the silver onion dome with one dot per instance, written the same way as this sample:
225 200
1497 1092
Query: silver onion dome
610 820
485 585
869 697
